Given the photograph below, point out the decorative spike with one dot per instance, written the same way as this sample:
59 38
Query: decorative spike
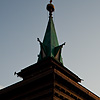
38 40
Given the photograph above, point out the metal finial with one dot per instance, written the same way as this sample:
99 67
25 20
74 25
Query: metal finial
50 1
50 8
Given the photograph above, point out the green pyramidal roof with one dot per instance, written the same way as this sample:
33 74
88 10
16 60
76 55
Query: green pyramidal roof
50 38
50 46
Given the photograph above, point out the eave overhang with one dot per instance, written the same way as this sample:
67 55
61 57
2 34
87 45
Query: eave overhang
50 61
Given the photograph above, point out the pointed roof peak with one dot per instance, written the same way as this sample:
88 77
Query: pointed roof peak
50 46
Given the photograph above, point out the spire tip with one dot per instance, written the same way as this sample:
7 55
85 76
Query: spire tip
50 1
50 8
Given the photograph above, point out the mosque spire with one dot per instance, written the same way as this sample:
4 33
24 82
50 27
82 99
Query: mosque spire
50 46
